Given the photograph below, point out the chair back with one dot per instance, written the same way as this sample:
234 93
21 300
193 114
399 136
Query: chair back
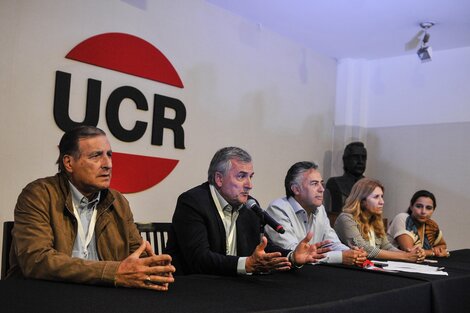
327 200
6 245
156 234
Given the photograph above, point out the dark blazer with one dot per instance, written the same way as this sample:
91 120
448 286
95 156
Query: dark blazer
197 240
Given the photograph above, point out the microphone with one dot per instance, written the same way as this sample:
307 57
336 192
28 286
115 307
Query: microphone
251 204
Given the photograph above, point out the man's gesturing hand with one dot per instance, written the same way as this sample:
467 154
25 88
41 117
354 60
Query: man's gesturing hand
309 253
262 262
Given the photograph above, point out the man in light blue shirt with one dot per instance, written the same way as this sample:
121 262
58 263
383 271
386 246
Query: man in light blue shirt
302 211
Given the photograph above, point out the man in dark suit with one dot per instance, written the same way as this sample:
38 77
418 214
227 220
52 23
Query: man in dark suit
214 233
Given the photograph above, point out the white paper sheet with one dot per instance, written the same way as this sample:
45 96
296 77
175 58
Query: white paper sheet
411 267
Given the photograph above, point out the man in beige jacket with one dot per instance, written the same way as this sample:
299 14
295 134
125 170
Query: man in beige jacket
72 227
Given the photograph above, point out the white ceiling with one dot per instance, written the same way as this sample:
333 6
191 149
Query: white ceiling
368 29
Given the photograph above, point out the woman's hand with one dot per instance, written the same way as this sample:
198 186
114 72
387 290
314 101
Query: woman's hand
416 254
440 252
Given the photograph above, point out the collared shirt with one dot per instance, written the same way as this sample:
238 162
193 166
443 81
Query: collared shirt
372 236
229 216
84 209
296 222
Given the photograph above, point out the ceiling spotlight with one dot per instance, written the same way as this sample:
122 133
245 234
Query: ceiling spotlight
425 54
425 51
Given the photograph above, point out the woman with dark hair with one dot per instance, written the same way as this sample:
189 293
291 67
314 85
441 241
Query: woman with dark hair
361 225
416 228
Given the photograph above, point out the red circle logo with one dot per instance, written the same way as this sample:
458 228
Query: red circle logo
131 55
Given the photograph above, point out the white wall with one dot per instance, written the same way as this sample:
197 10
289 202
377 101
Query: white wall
244 86
415 124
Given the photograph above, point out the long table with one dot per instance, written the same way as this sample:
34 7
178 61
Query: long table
313 288
451 293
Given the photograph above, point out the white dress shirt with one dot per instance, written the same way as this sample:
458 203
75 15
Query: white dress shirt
229 217
296 222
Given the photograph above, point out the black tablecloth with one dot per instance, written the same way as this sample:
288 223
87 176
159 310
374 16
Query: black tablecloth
319 288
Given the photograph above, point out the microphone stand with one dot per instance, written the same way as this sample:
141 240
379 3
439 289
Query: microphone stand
262 223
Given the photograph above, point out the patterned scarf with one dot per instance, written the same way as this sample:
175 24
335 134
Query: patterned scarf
431 231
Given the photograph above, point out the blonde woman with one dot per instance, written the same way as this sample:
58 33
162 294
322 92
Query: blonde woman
361 224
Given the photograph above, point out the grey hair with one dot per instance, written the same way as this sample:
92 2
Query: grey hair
221 161
294 173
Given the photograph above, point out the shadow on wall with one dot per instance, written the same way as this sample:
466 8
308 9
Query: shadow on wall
327 164
139 4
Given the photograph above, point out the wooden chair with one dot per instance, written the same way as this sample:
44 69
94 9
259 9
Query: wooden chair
332 217
156 234
7 239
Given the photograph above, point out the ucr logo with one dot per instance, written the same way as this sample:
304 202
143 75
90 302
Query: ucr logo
131 55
